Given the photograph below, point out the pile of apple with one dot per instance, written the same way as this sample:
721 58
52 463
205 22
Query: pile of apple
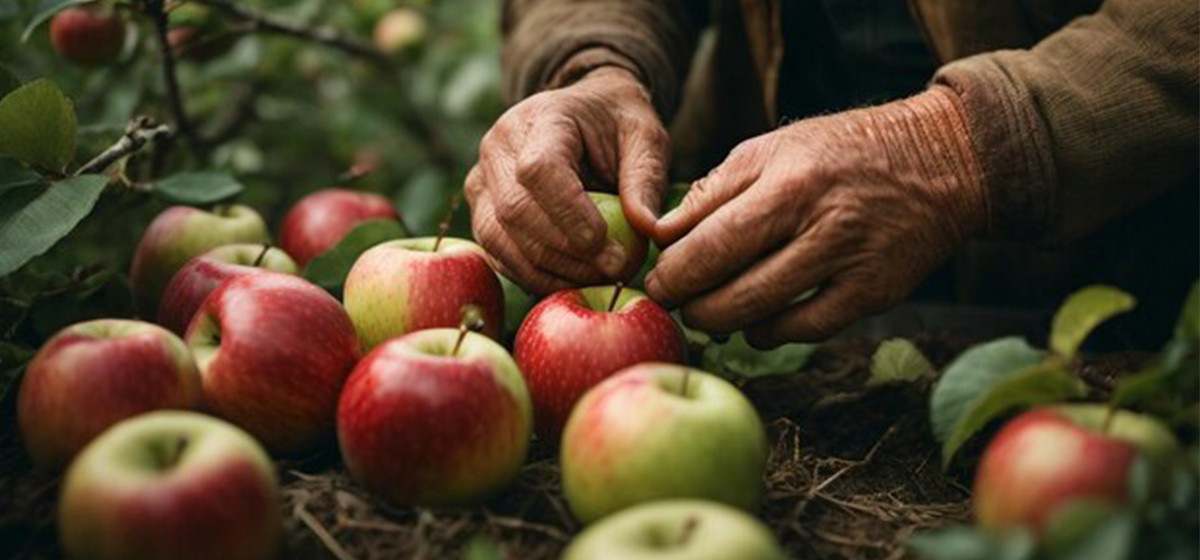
166 430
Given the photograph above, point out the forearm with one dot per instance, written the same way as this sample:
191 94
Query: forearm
1096 119
548 43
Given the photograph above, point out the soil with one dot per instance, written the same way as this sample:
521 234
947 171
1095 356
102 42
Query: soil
852 474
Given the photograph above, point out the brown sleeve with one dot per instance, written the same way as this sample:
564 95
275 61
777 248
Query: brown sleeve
1095 120
652 38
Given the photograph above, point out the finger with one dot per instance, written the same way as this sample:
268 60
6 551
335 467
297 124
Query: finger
548 167
727 241
505 257
539 241
767 286
708 193
834 308
644 155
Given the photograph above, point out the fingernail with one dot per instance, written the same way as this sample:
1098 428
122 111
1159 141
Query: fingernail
611 260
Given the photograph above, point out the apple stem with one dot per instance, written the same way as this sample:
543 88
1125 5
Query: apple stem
689 528
612 303
444 225
1108 418
472 321
687 373
259 260
176 452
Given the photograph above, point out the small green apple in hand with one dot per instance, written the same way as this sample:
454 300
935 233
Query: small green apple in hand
619 230
691 529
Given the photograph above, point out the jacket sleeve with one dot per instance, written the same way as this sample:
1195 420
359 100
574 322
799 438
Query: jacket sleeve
1096 119
547 42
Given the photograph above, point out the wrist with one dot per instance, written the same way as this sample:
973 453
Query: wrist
597 63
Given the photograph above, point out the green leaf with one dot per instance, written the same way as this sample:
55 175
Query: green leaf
46 10
737 358
481 547
898 361
1188 326
197 188
1037 384
37 125
14 175
961 542
8 81
31 225
1111 539
1082 312
517 303
971 374
1074 522
330 269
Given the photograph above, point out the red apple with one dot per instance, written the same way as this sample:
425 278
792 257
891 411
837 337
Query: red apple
273 351
91 375
90 35
408 285
203 274
1049 457
171 485
575 339
180 233
424 425
318 221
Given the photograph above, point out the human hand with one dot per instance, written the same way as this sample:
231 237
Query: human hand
861 205
528 207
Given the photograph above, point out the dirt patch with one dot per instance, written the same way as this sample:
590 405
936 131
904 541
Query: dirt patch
851 475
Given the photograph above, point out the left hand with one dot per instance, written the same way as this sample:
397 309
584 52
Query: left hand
861 205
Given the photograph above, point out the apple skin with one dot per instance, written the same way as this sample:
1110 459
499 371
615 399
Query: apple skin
94 374
569 342
317 222
88 35
620 231
273 351
634 438
201 275
692 529
1048 457
180 233
422 427
402 286
124 497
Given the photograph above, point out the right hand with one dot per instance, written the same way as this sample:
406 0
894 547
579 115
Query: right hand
528 207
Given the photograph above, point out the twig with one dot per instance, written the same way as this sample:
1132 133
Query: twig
326 539
853 464
230 122
325 35
138 133
154 9
522 525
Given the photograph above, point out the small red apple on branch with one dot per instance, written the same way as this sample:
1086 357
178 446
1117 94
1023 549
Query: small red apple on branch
90 34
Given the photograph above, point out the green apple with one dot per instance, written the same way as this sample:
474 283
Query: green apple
621 232
170 484
677 529
180 233
656 431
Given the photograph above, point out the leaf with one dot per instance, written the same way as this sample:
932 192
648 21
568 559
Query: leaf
1082 312
1188 326
517 303
962 542
33 225
1037 384
8 81
329 270
37 125
14 175
898 361
1074 522
45 11
1111 539
737 358
971 374
197 188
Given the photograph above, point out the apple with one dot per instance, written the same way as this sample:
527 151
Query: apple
692 529
1048 457
407 285
273 351
89 35
576 338
201 275
180 233
620 231
398 30
318 221
657 431
94 374
170 484
430 419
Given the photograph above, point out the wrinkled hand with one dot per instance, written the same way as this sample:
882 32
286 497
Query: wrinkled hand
528 207
861 205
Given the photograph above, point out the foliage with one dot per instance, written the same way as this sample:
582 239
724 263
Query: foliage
897 360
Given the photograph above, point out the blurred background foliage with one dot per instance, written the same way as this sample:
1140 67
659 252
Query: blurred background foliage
291 115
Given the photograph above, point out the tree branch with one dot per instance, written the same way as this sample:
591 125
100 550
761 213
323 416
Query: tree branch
155 10
139 132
